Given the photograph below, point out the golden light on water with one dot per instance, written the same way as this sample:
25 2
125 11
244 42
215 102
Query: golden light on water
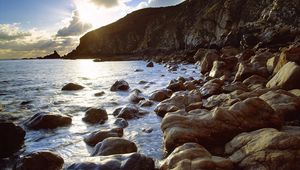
87 68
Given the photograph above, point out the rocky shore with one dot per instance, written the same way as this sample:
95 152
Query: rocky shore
243 113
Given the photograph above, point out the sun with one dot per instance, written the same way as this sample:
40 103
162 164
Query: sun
87 12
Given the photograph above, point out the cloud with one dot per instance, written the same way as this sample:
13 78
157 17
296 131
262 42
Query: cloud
162 3
106 3
75 27
11 32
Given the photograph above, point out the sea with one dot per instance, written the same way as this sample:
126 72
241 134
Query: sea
28 87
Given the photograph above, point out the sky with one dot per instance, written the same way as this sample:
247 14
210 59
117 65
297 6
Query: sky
33 28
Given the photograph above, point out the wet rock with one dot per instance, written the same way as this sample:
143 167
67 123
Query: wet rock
121 123
212 87
25 103
287 77
1 107
177 86
234 86
218 126
98 136
40 160
129 112
255 79
218 69
194 106
138 70
147 130
45 120
265 149
146 103
12 139
136 96
206 62
72 87
114 145
143 82
160 95
246 70
95 115
290 54
99 94
179 100
295 92
189 85
284 103
133 161
150 64
192 156
120 85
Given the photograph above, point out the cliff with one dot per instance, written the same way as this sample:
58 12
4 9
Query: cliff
193 24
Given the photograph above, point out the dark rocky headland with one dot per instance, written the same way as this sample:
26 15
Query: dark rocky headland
244 113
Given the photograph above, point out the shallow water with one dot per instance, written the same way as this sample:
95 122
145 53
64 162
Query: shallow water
39 82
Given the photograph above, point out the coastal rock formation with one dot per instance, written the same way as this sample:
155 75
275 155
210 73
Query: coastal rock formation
54 55
266 149
129 112
71 87
136 96
40 160
179 100
45 120
160 95
133 161
98 136
287 77
95 115
120 85
192 156
121 123
216 127
12 139
114 145
193 24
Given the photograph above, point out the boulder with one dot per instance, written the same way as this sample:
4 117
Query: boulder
190 85
290 54
121 123
120 85
160 95
265 149
284 103
295 92
98 136
212 87
177 86
45 160
45 120
216 127
179 100
218 69
136 96
12 139
194 106
192 156
146 103
255 79
114 145
228 88
150 64
245 70
99 94
132 161
95 115
206 62
287 77
129 112
72 87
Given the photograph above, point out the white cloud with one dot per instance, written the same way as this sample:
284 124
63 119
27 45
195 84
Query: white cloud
75 27
106 3
11 32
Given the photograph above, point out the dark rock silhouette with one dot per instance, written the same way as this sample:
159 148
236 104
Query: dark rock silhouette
54 55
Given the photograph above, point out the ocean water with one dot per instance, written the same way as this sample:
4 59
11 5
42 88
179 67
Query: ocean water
39 83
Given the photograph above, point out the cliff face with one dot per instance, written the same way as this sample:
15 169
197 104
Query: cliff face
193 24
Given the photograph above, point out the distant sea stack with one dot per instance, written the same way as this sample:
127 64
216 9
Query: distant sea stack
194 24
54 55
